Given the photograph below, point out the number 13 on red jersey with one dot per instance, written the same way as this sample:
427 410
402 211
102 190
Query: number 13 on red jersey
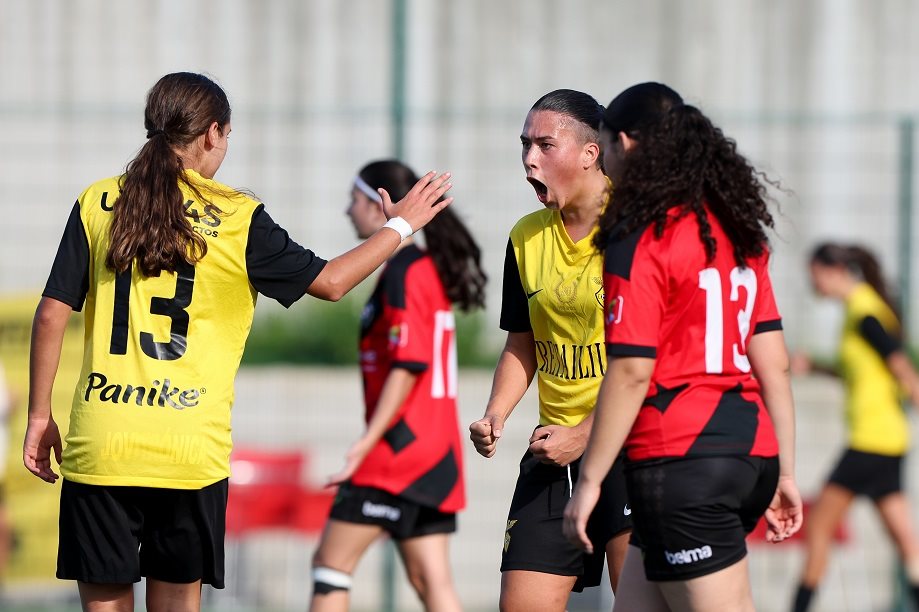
711 283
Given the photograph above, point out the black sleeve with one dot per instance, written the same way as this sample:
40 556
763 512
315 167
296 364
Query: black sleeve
69 278
881 341
415 367
278 267
515 313
768 326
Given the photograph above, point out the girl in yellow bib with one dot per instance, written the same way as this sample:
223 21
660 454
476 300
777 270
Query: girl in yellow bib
876 371
168 263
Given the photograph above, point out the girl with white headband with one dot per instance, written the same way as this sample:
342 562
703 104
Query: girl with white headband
404 475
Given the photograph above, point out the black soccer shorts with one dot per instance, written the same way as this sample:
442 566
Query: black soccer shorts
869 474
403 519
692 515
115 535
533 540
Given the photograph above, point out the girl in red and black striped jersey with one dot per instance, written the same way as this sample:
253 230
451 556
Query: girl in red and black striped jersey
404 476
697 388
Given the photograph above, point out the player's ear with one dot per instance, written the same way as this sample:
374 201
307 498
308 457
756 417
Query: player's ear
590 155
213 134
626 141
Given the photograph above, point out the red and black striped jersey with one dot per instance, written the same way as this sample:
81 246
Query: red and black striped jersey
664 300
408 323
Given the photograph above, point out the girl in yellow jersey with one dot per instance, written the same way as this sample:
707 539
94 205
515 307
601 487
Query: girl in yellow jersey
876 371
552 311
168 263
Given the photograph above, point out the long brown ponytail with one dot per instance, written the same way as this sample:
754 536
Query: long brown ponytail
149 222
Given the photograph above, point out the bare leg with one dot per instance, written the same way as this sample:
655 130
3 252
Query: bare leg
616 550
341 547
822 521
524 591
173 597
895 512
106 597
427 563
726 589
637 592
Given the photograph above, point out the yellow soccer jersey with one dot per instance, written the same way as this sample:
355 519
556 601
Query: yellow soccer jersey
152 407
554 288
875 416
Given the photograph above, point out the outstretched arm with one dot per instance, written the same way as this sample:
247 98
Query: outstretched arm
42 435
341 274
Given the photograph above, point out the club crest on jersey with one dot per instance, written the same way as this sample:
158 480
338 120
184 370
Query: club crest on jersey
614 310
566 292
601 296
398 335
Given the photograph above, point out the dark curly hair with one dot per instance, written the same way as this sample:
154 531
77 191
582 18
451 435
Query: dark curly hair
456 255
682 159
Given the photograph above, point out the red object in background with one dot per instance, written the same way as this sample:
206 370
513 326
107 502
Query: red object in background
267 491
758 535
312 509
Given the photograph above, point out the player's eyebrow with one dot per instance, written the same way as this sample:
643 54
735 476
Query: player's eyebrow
524 138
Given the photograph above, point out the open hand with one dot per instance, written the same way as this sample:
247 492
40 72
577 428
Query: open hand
578 510
422 202
42 437
785 514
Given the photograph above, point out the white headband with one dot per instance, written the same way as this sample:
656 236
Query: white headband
367 190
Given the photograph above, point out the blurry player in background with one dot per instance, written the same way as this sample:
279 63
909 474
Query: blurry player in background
168 263
404 476
697 388
552 311
876 372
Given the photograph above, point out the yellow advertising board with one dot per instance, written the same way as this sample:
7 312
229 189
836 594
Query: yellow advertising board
32 504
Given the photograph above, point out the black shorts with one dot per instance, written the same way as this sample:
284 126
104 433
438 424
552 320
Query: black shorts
869 474
403 519
115 535
533 540
692 515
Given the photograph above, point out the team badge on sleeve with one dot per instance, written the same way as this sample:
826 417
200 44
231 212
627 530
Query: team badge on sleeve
398 335
614 310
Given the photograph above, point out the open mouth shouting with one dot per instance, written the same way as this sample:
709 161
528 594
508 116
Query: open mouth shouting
542 192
